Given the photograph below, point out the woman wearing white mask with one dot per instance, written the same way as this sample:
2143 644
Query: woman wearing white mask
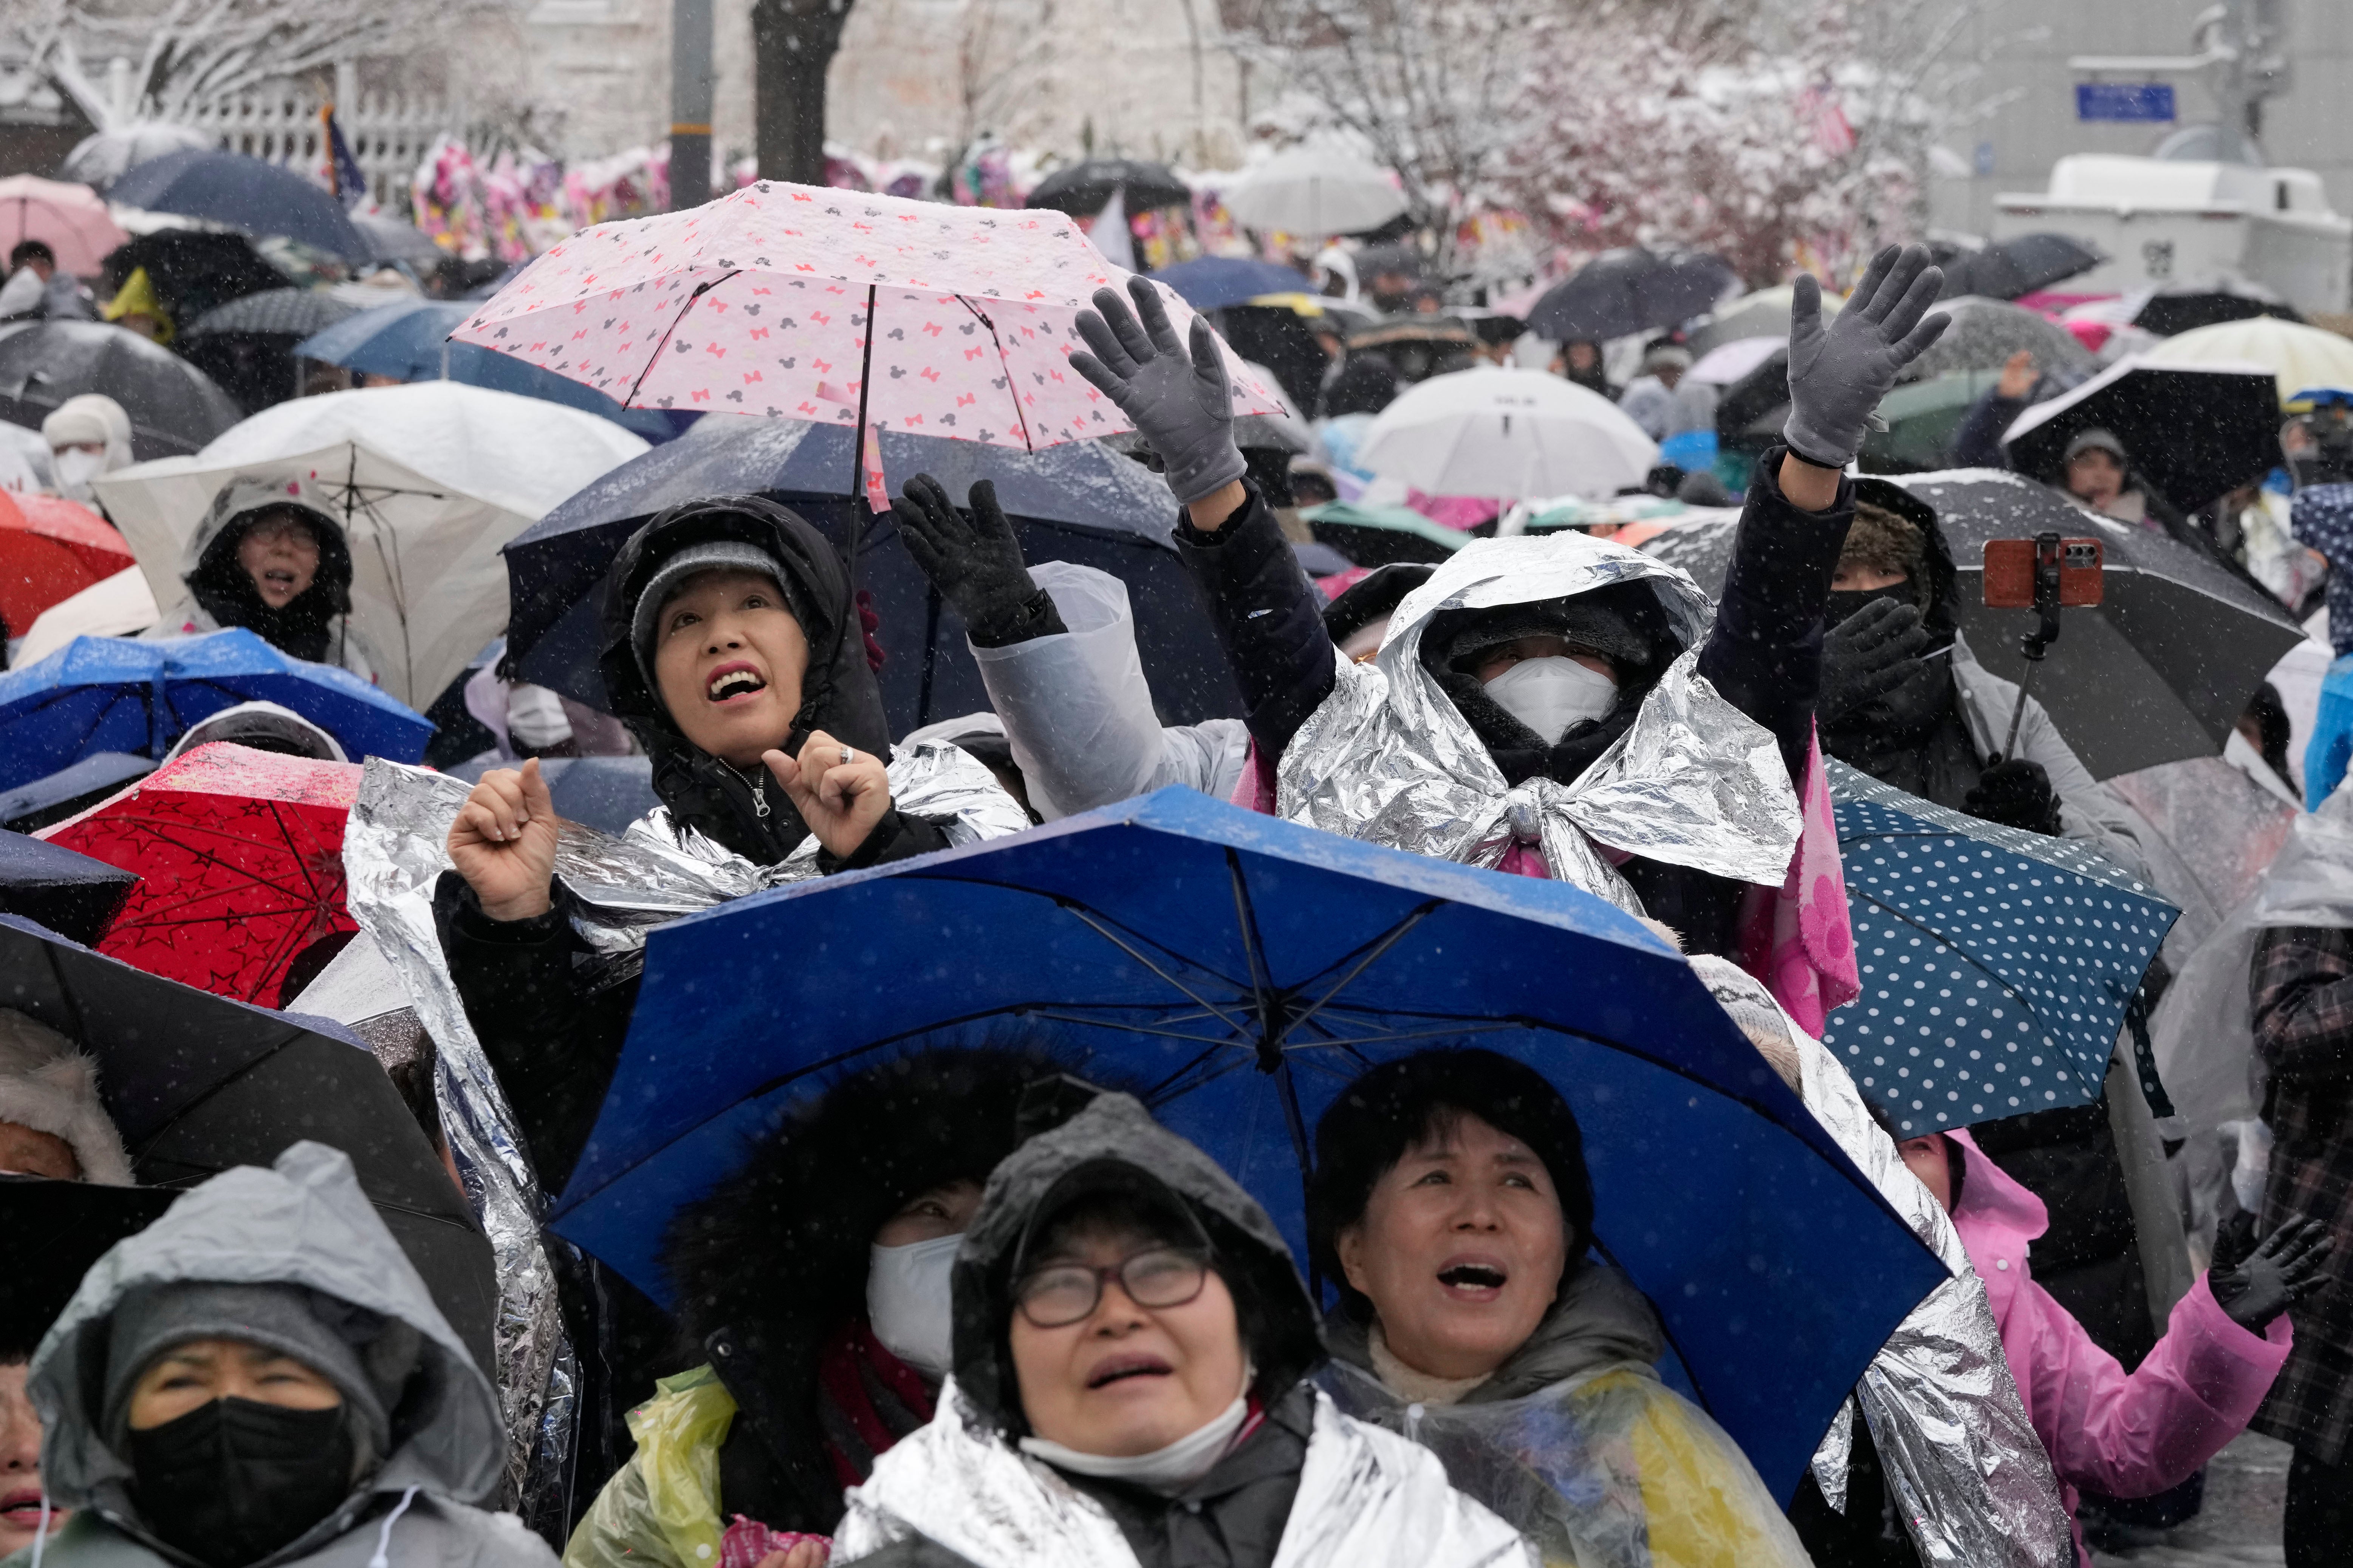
813 1283
88 436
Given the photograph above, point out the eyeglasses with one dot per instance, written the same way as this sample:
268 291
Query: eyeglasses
1061 1294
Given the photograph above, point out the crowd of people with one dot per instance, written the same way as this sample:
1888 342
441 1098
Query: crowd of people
973 1304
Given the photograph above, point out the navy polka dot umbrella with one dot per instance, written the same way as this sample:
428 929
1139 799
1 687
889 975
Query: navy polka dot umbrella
1996 963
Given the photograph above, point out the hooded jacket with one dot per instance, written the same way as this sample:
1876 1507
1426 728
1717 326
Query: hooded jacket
50 1086
316 624
1307 1487
304 1222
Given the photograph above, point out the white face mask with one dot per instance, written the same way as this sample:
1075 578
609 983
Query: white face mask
74 470
907 1301
1548 695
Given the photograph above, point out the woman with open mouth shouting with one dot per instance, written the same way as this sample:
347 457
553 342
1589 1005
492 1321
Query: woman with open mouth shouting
1130 1345
1450 1203
268 558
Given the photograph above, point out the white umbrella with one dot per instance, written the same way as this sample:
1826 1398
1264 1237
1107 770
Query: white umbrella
1728 361
1505 434
1314 190
430 481
110 608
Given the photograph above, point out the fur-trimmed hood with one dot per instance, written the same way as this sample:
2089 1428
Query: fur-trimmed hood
50 1085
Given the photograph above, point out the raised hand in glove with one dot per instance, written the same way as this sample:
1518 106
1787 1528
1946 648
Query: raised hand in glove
2015 794
2284 1268
1867 656
976 566
1840 370
1180 401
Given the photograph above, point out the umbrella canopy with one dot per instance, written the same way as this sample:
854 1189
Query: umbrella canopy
1081 189
101 159
2031 945
2019 265
280 312
428 481
2299 357
2185 307
798 302
197 1084
243 193
50 549
2158 671
1632 290
173 406
1213 282
111 607
389 239
1923 416
241 861
1764 313
2194 431
1241 971
57 1229
408 341
1986 333
109 694
194 271
68 218
1507 434
1378 535
1735 360
1079 501
1314 190
71 894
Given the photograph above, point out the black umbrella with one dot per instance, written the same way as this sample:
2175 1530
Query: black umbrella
2008 267
174 407
197 1083
1082 188
2158 671
1079 501
2195 432
54 887
56 1230
277 312
1984 333
2183 308
245 194
1631 290
192 271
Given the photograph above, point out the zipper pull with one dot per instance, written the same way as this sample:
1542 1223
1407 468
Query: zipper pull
760 796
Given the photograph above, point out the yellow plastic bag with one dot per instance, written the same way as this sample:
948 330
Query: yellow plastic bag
661 1509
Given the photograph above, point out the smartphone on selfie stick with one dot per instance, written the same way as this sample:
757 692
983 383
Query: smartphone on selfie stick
2043 573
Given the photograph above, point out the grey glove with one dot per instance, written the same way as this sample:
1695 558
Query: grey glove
1838 371
1183 404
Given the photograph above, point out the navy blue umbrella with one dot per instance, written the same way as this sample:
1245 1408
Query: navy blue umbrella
71 894
1240 971
114 694
409 342
1213 282
1080 501
1996 964
243 193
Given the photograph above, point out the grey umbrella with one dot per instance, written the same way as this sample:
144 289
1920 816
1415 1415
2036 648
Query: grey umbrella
281 312
2159 671
1984 333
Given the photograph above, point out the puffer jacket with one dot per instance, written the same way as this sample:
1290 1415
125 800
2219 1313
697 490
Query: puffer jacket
303 1222
1307 1487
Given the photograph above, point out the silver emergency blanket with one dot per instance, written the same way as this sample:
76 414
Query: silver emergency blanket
1971 1476
1366 1498
393 854
1693 781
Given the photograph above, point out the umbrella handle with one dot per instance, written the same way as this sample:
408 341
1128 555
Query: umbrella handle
2009 745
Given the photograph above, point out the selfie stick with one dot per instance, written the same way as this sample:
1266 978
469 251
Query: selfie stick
2036 643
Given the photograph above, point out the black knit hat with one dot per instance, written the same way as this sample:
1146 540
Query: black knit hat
1623 622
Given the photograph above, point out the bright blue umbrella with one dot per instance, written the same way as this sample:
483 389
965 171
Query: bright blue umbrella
1215 281
1240 971
409 342
1996 963
115 694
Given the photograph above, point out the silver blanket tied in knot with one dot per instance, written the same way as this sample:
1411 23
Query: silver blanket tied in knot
394 853
1693 781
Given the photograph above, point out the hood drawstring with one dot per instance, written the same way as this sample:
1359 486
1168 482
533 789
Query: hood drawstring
384 1536
41 1536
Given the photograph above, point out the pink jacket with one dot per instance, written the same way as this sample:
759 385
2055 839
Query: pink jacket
2127 1434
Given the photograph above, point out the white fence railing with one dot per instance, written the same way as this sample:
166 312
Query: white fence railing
389 135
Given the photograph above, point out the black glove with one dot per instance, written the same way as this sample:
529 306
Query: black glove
2015 794
2285 1268
975 566
1867 656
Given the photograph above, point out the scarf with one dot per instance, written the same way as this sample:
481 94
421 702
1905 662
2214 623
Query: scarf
867 1400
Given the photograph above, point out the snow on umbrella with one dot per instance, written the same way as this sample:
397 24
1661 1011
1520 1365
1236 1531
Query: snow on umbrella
173 406
280 312
1986 333
1244 969
71 894
66 216
101 159
198 1084
2299 357
1507 434
1632 290
242 193
1314 190
241 861
2195 432
761 302
111 694
1997 964
50 550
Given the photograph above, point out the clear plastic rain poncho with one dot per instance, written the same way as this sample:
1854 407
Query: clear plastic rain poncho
1695 781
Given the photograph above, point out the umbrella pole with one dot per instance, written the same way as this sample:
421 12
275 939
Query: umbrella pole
858 461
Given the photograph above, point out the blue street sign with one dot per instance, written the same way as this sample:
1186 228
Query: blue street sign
2123 101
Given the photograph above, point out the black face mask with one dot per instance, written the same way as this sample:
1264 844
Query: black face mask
1844 603
232 1481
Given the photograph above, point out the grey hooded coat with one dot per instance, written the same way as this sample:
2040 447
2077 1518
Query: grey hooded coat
304 1222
